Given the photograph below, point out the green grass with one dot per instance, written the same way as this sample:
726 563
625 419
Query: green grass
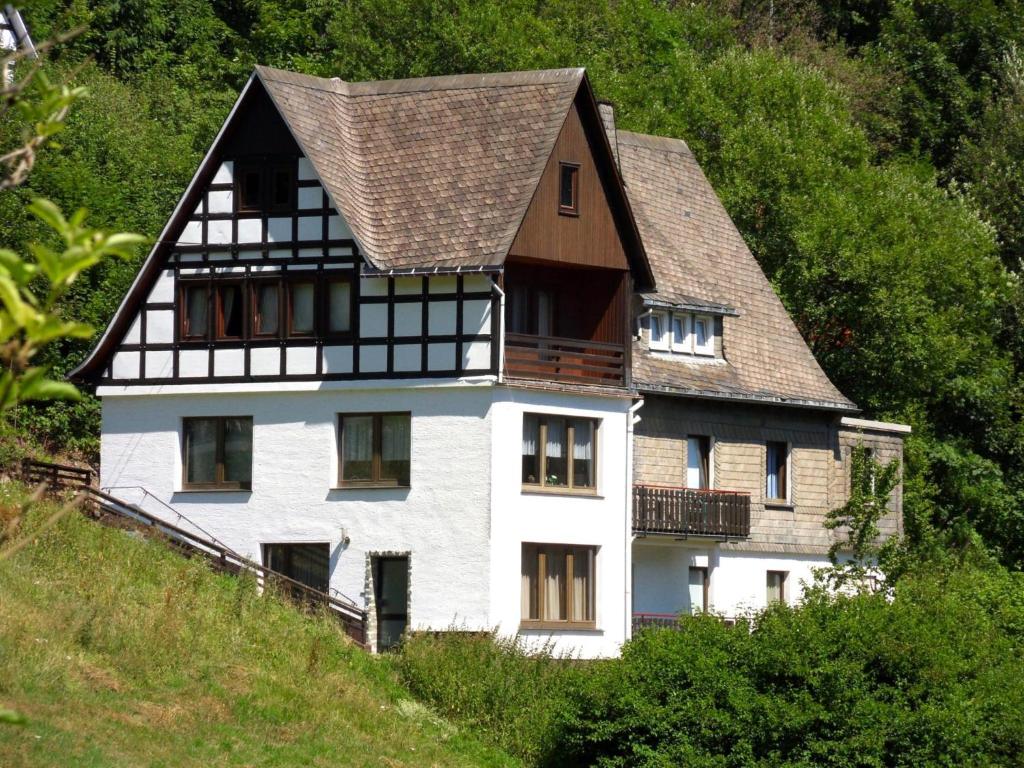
121 653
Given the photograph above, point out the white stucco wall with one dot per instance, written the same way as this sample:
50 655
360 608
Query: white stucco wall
737 580
518 516
442 520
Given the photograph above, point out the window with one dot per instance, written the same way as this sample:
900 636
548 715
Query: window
266 301
558 453
558 586
776 480
698 590
217 453
703 336
339 306
229 312
375 449
568 189
195 299
698 461
301 300
681 341
531 310
660 333
776 587
308 564
264 186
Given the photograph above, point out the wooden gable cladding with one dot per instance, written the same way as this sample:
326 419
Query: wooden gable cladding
588 238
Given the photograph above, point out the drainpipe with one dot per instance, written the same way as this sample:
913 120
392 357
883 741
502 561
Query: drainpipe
501 336
631 421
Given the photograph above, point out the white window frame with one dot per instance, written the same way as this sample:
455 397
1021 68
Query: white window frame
788 498
685 344
664 342
708 348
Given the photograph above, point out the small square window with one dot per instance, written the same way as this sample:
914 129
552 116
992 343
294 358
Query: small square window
568 189
217 453
375 449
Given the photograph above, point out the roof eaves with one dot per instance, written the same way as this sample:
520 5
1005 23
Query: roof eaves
692 305
792 402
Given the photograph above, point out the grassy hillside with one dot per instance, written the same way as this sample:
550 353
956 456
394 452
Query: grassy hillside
121 653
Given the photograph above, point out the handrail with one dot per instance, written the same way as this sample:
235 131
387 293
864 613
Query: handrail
352 617
527 338
690 512
165 505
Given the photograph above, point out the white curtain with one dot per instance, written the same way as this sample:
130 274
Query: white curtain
583 440
340 312
268 308
554 586
358 437
302 307
395 438
556 439
531 428
529 597
197 303
773 489
582 578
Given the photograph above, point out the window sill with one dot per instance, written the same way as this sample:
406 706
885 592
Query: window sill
778 504
540 490
371 487
213 490
565 626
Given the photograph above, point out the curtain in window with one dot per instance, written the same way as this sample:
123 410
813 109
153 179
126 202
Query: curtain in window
231 310
238 450
195 318
775 476
529 586
697 459
302 308
775 581
531 433
394 448
555 453
267 303
554 586
582 579
583 453
357 448
201 450
340 311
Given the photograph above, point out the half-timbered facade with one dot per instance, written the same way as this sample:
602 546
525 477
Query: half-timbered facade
400 340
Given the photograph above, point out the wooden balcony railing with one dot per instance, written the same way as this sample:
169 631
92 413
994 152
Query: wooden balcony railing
690 512
575 361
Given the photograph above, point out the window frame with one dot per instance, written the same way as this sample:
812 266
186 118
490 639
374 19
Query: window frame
219 484
184 286
786 480
783 582
218 310
708 348
685 346
570 433
289 167
705 583
325 306
536 549
287 331
375 480
265 169
664 343
255 284
574 171
707 459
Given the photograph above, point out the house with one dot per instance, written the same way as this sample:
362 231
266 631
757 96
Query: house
461 351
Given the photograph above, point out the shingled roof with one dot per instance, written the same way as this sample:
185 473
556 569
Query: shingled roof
695 250
434 170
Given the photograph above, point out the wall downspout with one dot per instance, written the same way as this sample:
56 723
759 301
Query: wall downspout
501 332
631 421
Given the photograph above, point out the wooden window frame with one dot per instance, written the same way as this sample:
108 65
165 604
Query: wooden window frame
535 549
570 487
785 479
325 307
241 169
184 286
266 169
375 480
287 329
783 582
218 310
270 172
574 170
255 283
219 484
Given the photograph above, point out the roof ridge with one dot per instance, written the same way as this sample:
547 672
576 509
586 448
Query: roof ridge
420 84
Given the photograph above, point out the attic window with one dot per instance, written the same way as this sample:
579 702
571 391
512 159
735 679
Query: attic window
263 186
568 189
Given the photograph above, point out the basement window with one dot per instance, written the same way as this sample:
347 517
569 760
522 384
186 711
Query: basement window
217 453
568 189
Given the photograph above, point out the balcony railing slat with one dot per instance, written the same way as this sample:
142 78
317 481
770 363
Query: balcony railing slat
569 360
690 512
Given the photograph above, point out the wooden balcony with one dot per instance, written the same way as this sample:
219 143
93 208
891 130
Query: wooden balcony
690 512
575 361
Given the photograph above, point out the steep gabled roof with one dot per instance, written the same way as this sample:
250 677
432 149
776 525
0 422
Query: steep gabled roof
695 250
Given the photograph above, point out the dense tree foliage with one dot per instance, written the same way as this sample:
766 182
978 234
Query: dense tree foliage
870 152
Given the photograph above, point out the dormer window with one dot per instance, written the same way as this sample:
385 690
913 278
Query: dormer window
568 189
264 186
682 332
